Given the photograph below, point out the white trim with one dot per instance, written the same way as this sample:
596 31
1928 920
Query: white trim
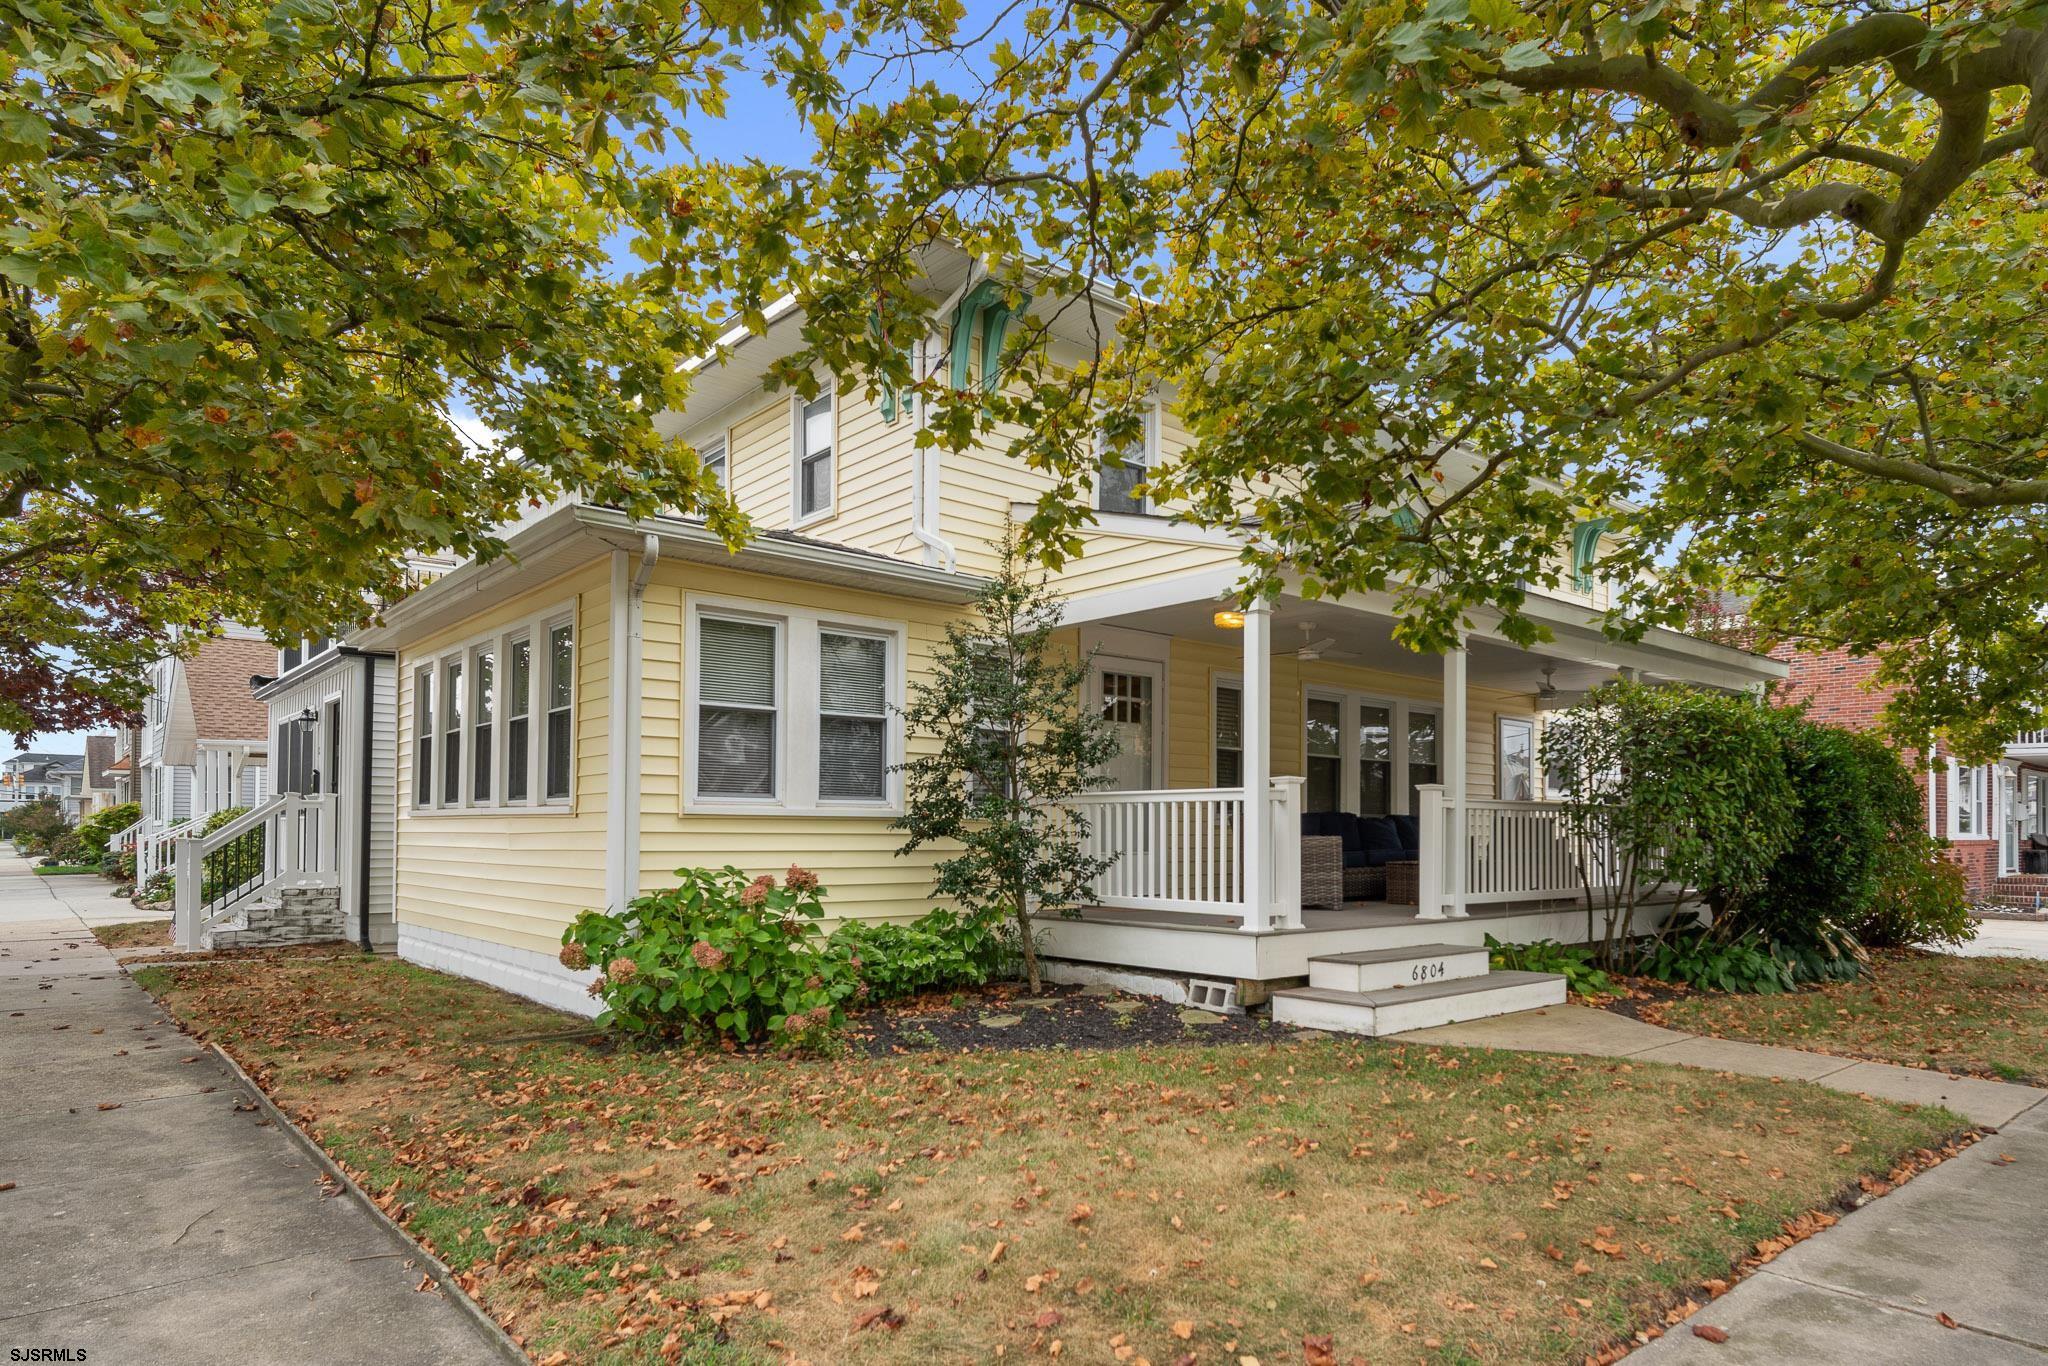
535 627
523 972
1501 721
1149 526
799 450
1148 460
797 714
1137 666
1218 680
1974 774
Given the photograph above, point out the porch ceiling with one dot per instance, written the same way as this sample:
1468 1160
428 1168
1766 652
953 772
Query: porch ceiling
1365 639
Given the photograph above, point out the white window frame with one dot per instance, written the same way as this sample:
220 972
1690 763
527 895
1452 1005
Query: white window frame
798 451
797 710
1148 461
1399 709
722 441
497 641
1501 722
1217 683
1971 778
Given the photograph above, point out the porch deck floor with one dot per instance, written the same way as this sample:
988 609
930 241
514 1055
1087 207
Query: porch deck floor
1353 915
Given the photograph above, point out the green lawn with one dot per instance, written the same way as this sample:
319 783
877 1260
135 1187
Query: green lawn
1409 1203
1987 1017
65 869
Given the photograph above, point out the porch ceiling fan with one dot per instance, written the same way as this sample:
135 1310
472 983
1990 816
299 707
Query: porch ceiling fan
1312 649
1550 697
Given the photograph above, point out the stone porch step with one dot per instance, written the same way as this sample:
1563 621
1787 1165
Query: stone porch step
1410 965
1399 1009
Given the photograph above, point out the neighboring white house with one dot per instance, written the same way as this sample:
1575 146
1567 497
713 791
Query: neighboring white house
203 744
37 774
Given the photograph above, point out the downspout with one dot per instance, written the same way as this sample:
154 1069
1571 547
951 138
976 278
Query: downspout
629 615
924 489
366 790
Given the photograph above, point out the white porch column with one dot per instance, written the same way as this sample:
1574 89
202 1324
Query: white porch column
1257 762
1457 825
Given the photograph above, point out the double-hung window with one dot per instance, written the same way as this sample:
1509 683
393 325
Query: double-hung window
482 702
853 712
814 457
451 733
1324 738
505 704
423 737
712 457
561 699
1968 809
738 696
518 717
1229 735
790 710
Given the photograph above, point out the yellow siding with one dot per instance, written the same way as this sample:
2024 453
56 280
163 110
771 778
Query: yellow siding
1190 725
511 877
1113 560
855 856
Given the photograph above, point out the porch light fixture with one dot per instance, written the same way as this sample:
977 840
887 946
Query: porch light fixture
1229 621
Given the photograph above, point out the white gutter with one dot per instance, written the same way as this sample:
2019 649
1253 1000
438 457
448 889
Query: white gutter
622 810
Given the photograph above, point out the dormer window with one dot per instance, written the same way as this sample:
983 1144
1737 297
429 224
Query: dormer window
1121 469
813 446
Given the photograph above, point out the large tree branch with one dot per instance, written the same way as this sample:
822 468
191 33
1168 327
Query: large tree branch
1975 494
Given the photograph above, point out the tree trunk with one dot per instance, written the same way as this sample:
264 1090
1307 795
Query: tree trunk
1026 947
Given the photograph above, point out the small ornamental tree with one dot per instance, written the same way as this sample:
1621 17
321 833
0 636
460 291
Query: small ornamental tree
1670 791
1012 743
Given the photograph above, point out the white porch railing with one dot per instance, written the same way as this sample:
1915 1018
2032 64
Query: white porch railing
288 838
1527 851
1182 849
2029 740
155 844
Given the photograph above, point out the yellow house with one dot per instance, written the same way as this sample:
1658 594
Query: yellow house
618 698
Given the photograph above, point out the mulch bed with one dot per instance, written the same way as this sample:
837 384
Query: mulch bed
1641 998
1063 1017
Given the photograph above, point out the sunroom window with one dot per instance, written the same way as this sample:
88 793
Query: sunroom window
737 703
853 705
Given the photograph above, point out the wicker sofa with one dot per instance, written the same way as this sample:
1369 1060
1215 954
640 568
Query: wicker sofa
1367 845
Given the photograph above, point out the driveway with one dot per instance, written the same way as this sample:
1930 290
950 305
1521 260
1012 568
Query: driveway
2007 939
148 1215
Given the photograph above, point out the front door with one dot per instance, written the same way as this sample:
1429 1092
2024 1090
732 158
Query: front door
1128 695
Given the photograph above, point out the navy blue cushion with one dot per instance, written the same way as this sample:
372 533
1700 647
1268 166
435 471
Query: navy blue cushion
1380 858
1319 823
1409 828
1378 832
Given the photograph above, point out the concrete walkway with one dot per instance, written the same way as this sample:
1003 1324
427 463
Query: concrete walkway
2005 939
148 1218
1583 1029
1960 1244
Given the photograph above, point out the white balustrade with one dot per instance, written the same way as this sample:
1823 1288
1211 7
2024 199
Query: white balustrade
297 835
1531 851
1178 850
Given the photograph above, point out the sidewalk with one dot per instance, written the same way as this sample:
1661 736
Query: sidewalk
1583 1029
1958 1245
149 1219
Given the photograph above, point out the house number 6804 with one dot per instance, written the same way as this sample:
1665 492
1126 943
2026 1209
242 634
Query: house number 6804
1426 972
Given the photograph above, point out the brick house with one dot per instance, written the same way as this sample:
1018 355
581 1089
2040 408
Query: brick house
1984 811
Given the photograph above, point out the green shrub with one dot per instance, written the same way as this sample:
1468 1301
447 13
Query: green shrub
938 949
100 827
717 954
1920 897
1697 958
1570 961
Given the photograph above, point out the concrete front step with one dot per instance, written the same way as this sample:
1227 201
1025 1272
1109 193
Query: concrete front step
1412 965
1397 1010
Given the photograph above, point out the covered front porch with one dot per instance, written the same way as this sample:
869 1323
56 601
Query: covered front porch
1236 724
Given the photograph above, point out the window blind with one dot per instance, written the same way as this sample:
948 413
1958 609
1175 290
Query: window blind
853 726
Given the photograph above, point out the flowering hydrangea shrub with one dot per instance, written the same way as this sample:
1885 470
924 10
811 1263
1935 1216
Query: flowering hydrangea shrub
717 955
